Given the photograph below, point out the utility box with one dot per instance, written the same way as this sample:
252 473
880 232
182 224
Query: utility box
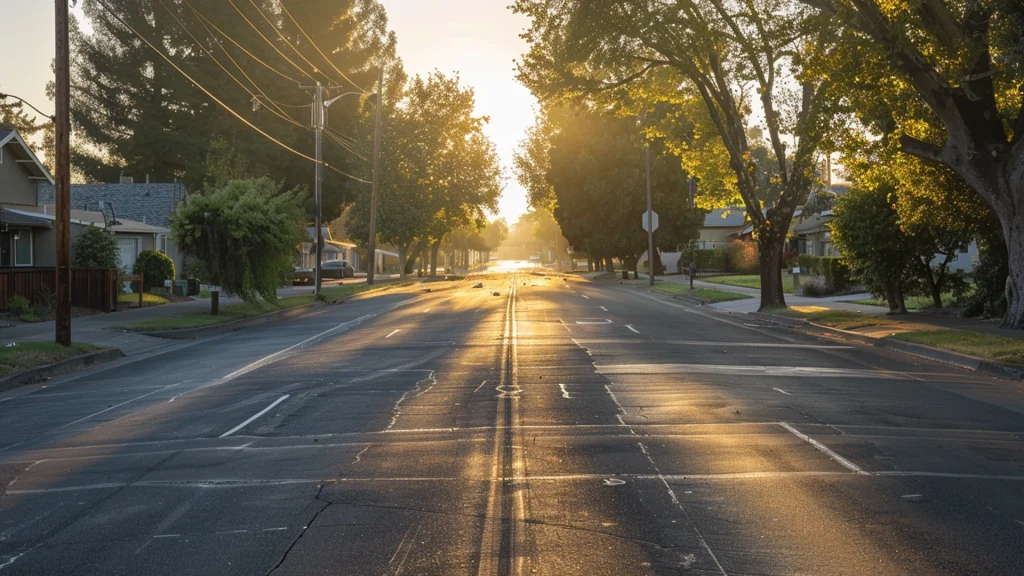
193 287
181 288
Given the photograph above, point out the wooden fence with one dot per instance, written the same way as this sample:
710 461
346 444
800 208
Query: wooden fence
94 288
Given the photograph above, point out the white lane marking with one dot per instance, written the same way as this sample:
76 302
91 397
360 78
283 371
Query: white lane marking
613 482
427 311
564 325
781 391
594 321
269 359
255 416
721 344
480 386
585 296
743 370
824 449
603 308
393 332
565 393
630 326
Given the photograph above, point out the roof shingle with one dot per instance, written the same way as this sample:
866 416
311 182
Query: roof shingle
148 203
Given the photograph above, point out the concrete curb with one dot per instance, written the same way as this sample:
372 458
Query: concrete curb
999 370
191 333
688 299
58 368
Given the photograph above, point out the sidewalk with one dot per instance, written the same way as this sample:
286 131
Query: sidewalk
837 303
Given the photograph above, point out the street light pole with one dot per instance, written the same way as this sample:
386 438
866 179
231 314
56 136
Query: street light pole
376 177
650 224
62 173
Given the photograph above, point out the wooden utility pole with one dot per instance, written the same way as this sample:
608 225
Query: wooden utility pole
62 174
376 177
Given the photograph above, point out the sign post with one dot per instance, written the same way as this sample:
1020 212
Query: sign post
214 300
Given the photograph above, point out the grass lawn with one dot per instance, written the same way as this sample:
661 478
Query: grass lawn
749 281
702 293
241 310
147 299
913 303
842 319
27 355
979 344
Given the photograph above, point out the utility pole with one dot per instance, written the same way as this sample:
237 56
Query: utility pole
650 224
62 174
318 122
376 177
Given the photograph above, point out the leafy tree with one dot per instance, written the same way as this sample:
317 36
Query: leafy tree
243 236
135 114
942 78
439 172
865 228
155 267
714 51
96 248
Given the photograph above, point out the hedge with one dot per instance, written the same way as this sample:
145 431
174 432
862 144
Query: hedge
837 273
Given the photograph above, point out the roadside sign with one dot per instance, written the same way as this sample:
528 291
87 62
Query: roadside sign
654 220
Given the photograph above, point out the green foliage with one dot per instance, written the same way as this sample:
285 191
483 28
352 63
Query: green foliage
155 267
96 248
989 296
242 236
18 305
741 256
835 272
135 114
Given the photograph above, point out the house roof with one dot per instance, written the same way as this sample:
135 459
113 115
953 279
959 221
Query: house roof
88 217
151 204
813 223
725 218
18 218
24 152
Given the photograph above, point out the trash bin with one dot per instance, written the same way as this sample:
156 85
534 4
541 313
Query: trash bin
193 287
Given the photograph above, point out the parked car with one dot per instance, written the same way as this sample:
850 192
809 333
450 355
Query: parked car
337 269
302 276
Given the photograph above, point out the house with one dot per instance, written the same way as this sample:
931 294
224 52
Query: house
332 250
139 214
813 235
721 226
26 240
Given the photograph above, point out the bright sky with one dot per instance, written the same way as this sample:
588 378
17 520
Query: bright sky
479 39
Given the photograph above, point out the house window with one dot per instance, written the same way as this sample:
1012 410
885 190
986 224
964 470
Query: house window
22 249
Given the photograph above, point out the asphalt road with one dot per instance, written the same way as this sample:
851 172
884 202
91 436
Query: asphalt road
560 427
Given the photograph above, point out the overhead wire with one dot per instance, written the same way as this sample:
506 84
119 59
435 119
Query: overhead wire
281 114
317 48
239 46
288 42
217 100
342 143
267 40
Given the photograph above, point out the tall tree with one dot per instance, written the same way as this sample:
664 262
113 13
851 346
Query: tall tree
717 48
962 64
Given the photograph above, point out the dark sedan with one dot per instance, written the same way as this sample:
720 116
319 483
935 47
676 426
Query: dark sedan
337 269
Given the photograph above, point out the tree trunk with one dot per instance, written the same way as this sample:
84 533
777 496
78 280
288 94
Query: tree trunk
414 253
434 249
770 266
403 250
1015 282
894 296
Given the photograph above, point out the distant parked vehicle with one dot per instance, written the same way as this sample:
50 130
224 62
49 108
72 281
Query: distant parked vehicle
337 269
302 276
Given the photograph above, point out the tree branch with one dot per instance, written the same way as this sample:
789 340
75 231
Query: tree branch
921 149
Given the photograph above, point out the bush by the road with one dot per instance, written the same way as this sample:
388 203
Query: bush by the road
96 248
242 235
155 267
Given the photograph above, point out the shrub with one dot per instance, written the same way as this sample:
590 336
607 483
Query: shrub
155 267
242 235
96 248
838 275
18 305
741 256
816 287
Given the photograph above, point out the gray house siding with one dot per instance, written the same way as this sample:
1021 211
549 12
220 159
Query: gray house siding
17 187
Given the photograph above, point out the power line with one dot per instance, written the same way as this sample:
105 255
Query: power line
239 46
280 114
214 98
328 60
267 40
342 143
288 42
